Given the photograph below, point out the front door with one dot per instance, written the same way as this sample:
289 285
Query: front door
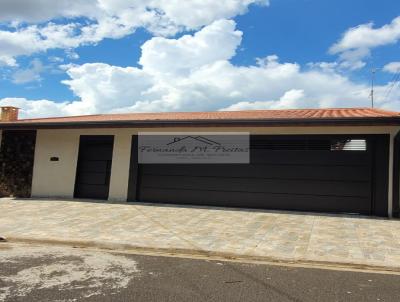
94 166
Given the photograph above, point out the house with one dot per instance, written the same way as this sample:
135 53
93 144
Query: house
325 160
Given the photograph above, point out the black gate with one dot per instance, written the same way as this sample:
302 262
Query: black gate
308 173
94 166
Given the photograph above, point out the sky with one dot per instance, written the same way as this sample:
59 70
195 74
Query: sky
80 57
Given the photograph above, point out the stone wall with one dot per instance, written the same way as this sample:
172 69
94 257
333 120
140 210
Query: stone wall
16 163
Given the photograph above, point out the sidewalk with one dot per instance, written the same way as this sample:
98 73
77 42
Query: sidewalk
236 233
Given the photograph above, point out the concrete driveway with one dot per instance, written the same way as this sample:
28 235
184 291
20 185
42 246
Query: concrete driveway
237 233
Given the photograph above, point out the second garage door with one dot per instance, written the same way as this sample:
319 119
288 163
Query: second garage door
314 173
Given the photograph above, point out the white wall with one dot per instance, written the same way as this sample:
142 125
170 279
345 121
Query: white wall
120 166
57 179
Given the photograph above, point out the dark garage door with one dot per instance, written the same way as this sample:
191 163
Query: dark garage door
94 166
315 173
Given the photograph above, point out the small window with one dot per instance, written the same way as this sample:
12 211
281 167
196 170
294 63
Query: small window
349 145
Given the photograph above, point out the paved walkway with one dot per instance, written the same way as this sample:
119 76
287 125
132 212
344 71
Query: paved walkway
257 234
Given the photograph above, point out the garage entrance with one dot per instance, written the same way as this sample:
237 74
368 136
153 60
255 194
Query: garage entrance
342 174
94 166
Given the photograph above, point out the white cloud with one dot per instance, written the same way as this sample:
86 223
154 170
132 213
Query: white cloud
289 100
30 74
35 108
186 80
324 66
365 36
102 87
43 10
6 60
102 19
190 14
71 54
357 42
55 59
196 13
393 67
160 55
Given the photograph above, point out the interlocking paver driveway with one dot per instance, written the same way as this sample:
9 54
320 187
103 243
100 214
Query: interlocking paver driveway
256 233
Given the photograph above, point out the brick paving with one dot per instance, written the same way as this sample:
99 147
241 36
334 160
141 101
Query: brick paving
273 235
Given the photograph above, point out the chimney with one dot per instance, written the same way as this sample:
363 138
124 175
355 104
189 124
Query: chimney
9 114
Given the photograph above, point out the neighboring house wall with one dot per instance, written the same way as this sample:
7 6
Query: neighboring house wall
16 163
58 178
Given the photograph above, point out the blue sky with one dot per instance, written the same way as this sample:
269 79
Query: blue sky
258 56
303 30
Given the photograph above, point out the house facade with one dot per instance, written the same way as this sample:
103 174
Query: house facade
324 160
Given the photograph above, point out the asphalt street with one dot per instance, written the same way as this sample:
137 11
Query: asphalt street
50 273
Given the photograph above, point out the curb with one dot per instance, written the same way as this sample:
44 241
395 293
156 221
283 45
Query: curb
210 255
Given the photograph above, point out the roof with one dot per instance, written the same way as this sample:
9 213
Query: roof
260 117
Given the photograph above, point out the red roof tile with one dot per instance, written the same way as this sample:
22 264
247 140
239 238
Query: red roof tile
249 115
